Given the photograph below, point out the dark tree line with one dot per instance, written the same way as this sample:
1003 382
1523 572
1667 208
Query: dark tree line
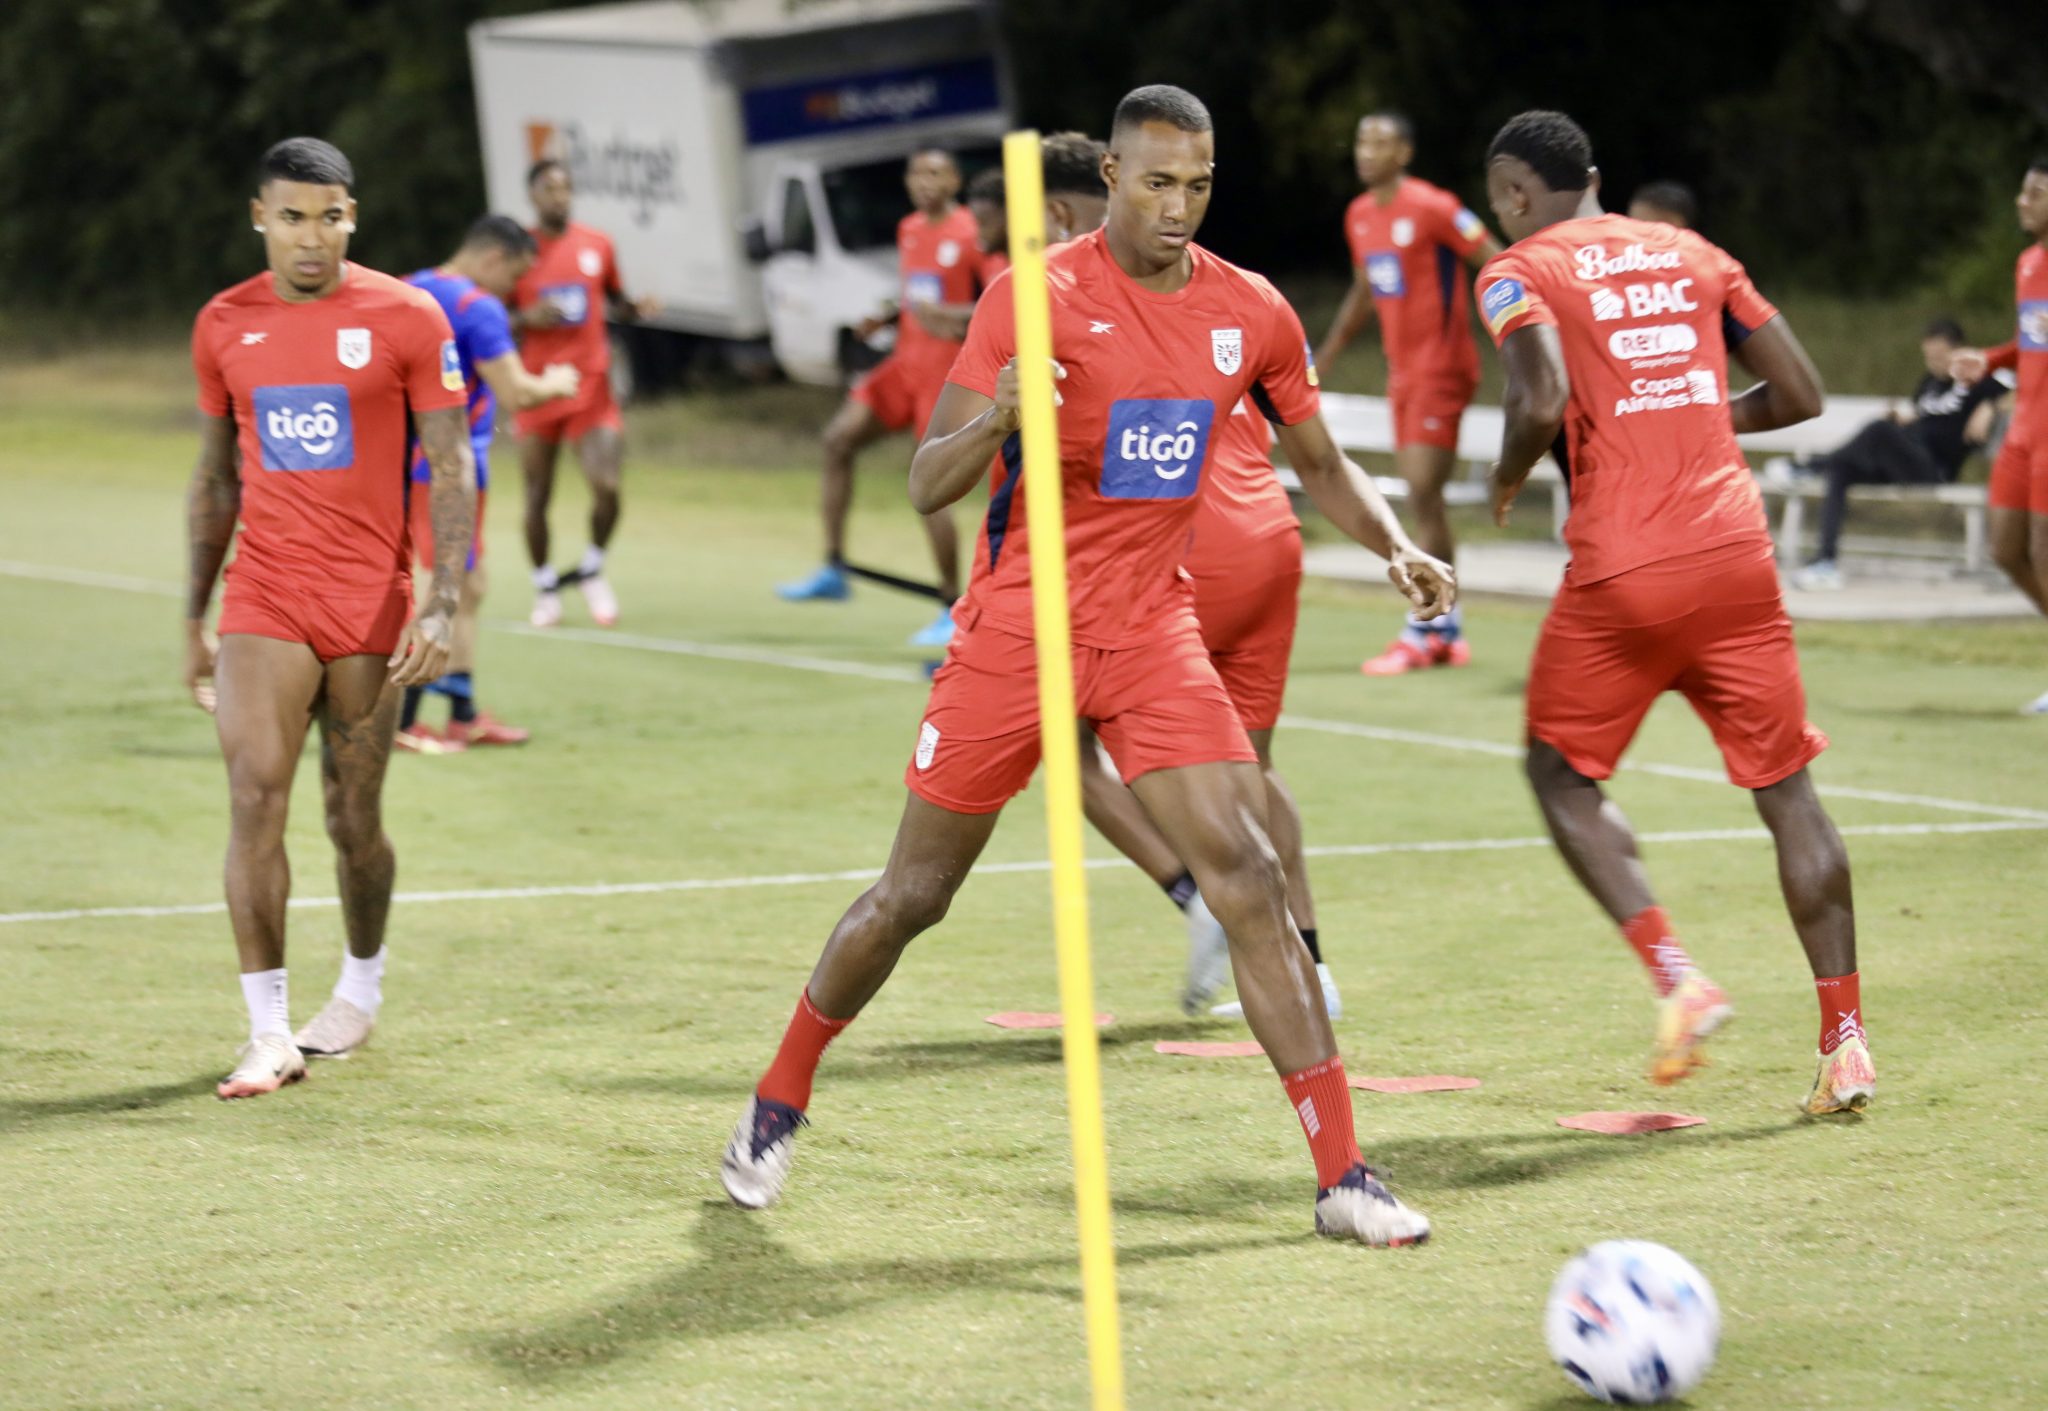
1851 145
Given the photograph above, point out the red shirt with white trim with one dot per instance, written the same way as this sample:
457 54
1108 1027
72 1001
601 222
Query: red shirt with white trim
578 273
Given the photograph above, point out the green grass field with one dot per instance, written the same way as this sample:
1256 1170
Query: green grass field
510 1198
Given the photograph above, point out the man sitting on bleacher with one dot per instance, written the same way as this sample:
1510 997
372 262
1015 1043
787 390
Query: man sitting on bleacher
1924 443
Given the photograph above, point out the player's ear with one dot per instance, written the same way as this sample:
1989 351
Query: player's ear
256 214
348 221
1109 170
1593 180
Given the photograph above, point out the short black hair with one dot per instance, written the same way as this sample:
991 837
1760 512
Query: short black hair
542 167
1556 148
941 153
1160 103
502 233
1673 196
1946 328
1073 165
987 186
1403 128
309 160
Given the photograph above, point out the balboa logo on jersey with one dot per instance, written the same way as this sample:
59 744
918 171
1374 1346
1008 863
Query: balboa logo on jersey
1154 447
572 300
1226 346
2033 330
451 366
305 427
352 346
1504 299
1596 263
1383 272
1698 388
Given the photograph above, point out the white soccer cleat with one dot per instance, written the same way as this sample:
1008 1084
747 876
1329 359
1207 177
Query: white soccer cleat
1360 1208
600 599
1333 1003
267 1063
336 1031
547 609
2037 706
757 1159
1208 957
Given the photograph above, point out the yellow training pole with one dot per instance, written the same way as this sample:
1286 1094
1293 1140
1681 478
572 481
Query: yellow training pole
1024 181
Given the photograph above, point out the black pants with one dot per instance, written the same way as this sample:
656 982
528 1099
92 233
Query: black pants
1882 453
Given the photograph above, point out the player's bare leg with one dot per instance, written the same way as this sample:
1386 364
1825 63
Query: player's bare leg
1214 818
1813 870
357 715
1428 470
602 454
933 851
945 538
2015 550
537 457
1283 823
852 428
267 689
1600 848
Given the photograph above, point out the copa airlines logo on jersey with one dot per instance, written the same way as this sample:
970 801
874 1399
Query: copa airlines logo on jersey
1698 388
1596 263
306 427
638 174
1155 448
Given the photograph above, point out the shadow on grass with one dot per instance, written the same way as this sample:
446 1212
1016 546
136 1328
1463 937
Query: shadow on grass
18 1113
743 1281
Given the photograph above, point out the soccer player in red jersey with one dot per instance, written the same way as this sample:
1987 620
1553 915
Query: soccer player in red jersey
2019 477
985 201
1156 340
307 374
1410 243
1615 334
941 268
559 309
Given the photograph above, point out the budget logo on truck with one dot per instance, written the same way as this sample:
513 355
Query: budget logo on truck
1155 447
305 427
840 104
638 173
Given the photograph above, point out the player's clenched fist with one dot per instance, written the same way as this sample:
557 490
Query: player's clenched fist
1429 583
1009 400
199 654
422 653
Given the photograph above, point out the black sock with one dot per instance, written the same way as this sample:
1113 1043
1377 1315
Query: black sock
410 713
462 708
1308 938
1181 889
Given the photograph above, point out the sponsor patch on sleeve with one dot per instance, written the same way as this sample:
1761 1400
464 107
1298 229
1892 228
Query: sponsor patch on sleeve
451 366
1310 354
1468 224
1503 301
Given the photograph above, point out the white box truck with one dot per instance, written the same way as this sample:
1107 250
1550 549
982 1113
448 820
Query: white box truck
746 156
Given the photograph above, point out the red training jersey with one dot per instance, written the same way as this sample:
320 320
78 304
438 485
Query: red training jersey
1150 378
1413 249
993 263
1646 313
940 262
1244 501
578 273
320 394
2028 351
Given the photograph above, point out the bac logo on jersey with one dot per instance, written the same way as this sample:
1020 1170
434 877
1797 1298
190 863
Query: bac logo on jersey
1503 300
923 289
2033 331
573 300
1154 448
1607 306
352 346
306 427
1226 346
451 366
1383 272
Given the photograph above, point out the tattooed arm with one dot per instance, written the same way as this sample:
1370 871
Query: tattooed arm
422 653
211 504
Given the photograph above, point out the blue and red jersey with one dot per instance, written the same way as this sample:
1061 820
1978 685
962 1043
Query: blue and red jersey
483 331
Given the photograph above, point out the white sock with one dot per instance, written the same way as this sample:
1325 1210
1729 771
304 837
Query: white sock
545 579
362 981
269 1001
592 562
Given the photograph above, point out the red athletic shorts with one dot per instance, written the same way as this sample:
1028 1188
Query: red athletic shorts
572 418
1427 410
901 394
423 529
1710 625
1159 705
333 625
2019 477
1247 609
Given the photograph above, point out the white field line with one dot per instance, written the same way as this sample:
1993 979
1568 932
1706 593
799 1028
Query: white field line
868 874
762 657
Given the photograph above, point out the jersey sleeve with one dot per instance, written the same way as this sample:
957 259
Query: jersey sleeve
213 388
612 285
1284 382
2004 358
428 360
487 329
1509 299
991 339
1743 309
1458 228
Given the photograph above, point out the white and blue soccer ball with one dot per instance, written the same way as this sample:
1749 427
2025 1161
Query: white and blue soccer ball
1632 1323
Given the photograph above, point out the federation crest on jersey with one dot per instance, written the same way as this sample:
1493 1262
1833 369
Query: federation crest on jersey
1226 346
949 253
352 347
590 262
1404 232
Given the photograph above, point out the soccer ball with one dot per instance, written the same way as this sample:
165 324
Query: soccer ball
1632 1322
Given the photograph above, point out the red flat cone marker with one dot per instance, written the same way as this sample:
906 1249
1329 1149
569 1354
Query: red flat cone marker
1426 1083
1026 1019
1629 1124
1241 1048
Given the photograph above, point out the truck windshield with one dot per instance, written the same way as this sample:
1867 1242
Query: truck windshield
868 200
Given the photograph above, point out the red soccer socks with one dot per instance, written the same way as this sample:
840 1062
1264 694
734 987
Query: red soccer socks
788 1079
1648 932
1322 1100
1841 1010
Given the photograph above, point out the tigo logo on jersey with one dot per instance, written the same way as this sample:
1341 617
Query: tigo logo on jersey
1504 299
1154 447
572 300
1226 346
306 427
923 289
2033 331
352 346
451 366
1383 273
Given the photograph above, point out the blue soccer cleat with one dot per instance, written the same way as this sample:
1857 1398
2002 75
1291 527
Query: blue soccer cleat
938 634
828 585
